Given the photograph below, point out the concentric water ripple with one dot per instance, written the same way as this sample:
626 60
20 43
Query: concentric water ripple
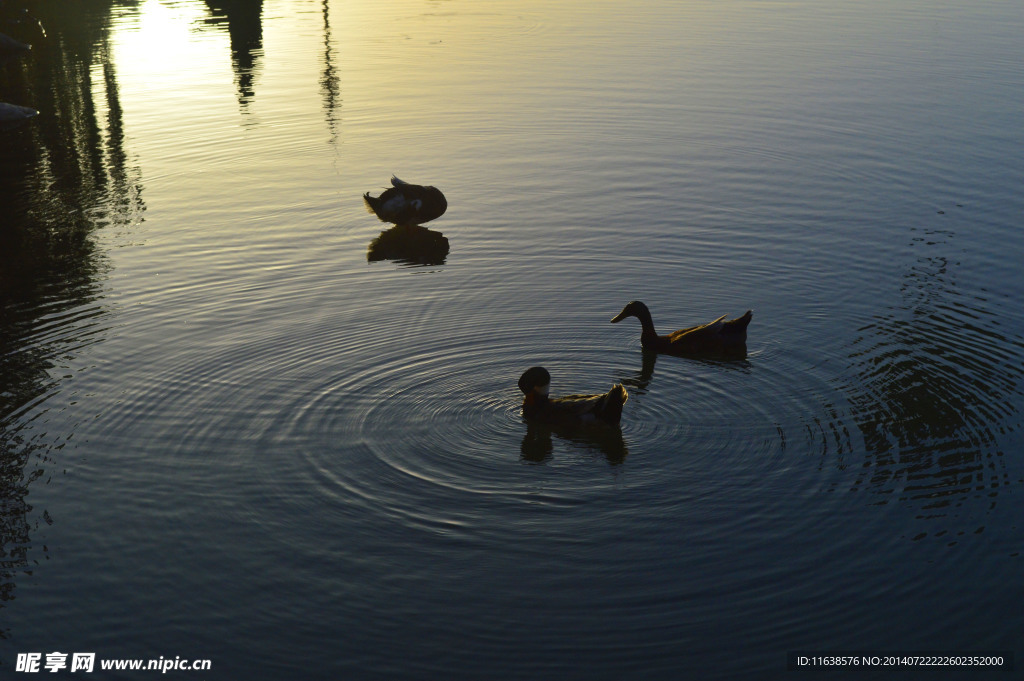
423 426
429 425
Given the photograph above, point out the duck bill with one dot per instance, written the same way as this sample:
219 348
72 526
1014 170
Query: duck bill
619 317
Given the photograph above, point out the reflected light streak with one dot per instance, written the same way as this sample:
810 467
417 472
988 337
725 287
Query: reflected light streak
158 50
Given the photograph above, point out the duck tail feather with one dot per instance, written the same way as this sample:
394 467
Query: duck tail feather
740 323
395 182
372 204
611 407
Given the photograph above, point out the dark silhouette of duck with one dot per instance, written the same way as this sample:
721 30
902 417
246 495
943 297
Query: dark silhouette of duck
407 204
538 445
720 337
571 409
410 245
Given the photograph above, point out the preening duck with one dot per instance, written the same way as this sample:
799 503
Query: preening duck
407 204
571 409
719 337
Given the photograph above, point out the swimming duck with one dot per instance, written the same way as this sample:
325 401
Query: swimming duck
571 409
407 204
719 337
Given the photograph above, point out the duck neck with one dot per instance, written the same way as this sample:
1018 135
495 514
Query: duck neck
646 323
532 399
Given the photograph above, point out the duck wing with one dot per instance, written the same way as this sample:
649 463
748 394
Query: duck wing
718 336
428 203
738 325
606 407
577 405
393 205
696 333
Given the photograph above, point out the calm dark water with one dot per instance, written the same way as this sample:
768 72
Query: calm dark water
234 427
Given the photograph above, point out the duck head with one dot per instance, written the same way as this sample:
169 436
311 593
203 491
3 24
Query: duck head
634 309
535 380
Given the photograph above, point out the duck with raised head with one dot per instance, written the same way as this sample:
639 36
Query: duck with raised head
571 409
719 337
407 204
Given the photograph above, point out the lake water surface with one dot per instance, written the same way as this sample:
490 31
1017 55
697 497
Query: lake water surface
234 427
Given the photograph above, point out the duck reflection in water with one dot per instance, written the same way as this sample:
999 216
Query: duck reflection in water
410 244
408 206
538 445
639 382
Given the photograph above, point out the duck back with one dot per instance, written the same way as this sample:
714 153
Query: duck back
407 204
